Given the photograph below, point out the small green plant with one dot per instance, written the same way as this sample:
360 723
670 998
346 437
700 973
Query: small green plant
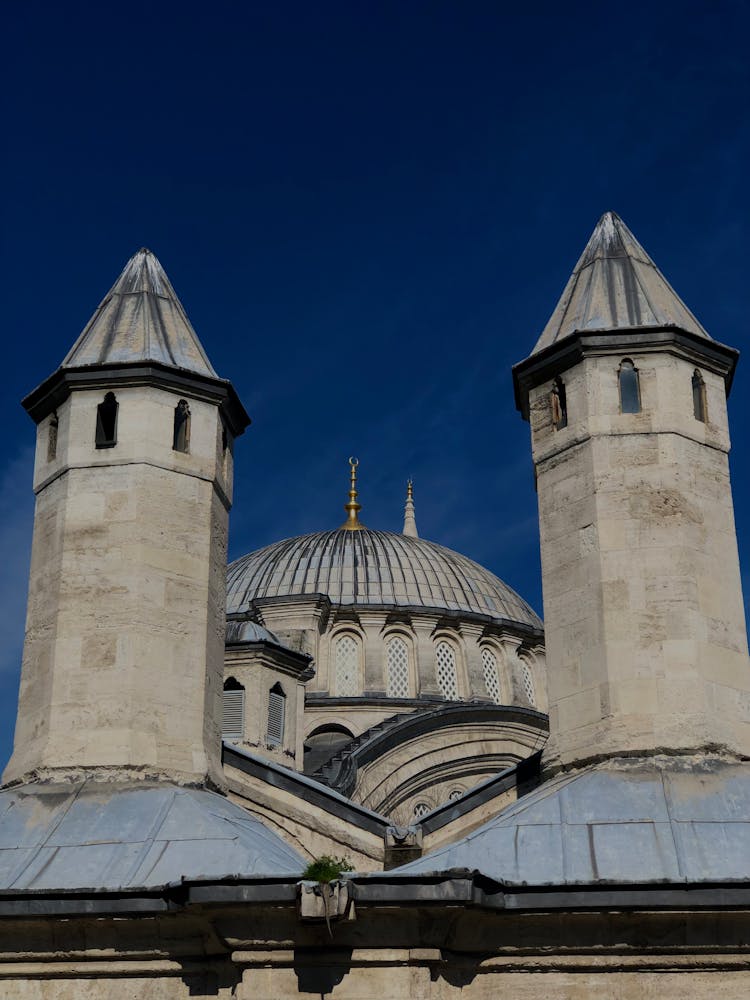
326 868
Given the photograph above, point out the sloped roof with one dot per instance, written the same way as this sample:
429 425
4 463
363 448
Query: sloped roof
96 835
376 569
140 319
644 821
615 285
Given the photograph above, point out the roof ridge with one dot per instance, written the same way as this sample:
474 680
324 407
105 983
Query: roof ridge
615 285
140 319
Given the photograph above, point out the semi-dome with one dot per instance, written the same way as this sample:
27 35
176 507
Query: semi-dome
375 569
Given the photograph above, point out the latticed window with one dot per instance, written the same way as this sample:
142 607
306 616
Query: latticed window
446 671
347 666
455 794
491 678
397 659
420 809
528 683
276 713
233 711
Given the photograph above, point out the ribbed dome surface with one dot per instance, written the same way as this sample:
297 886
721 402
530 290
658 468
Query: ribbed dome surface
373 568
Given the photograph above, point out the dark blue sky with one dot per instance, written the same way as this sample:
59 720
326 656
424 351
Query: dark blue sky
369 211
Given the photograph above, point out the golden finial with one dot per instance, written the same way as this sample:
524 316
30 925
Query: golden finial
352 523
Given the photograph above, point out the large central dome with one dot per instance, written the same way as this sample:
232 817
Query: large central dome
375 569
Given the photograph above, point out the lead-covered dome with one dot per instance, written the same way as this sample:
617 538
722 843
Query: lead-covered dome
374 569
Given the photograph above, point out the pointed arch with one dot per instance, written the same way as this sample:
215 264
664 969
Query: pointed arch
276 716
106 422
347 657
52 432
491 674
446 672
181 431
630 388
699 397
397 667
233 710
559 404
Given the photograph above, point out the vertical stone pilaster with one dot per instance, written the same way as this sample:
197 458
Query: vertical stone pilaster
372 625
471 634
425 656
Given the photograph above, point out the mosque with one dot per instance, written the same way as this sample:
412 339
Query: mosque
356 764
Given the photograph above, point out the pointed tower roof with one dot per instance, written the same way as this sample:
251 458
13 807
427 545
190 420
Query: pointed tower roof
616 286
140 319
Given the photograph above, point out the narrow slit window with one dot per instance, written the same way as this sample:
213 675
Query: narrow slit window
106 422
54 424
181 437
699 397
233 710
630 391
276 716
559 404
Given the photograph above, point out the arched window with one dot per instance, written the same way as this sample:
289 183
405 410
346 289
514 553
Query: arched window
54 424
455 795
446 671
323 743
630 391
181 435
233 710
397 662
559 403
347 666
491 677
699 397
106 422
421 809
528 682
276 716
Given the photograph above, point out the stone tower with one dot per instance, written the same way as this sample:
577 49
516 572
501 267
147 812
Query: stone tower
645 629
123 655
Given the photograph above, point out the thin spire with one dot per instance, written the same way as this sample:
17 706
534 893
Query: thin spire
352 522
410 521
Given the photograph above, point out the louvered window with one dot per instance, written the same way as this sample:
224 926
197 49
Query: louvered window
491 679
233 713
398 668
276 713
446 671
347 666
528 683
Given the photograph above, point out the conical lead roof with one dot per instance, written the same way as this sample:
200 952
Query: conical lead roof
615 285
140 319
